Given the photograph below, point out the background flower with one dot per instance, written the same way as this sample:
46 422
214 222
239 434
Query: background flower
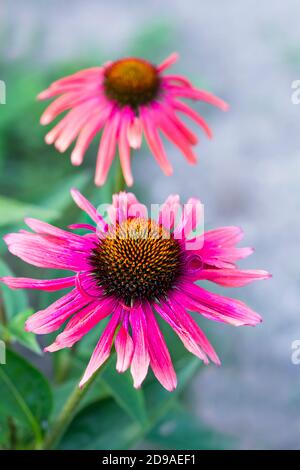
127 98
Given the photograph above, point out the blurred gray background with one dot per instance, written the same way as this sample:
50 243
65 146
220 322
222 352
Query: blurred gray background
248 53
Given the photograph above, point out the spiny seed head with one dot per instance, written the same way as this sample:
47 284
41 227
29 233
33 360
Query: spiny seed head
137 260
132 82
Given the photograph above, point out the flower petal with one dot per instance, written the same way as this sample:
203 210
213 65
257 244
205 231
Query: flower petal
219 308
124 348
81 323
140 359
49 285
102 351
160 360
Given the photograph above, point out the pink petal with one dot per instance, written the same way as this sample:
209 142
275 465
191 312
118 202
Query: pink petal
50 319
49 285
134 133
124 206
77 118
169 211
183 330
232 277
89 227
140 359
177 78
160 360
124 150
154 142
87 134
107 148
102 351
87 207
46 251
191 326
124 348
193 93
191 138
170 60
182 107
219 308
41 227
81 323
61 104
192 218
174 135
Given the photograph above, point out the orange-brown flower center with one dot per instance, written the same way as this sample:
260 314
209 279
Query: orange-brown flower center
131 82
138 260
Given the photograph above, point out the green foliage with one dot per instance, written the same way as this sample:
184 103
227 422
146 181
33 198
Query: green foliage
26 398
11 301
15 332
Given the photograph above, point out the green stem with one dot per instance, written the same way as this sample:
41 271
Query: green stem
119 179
67 414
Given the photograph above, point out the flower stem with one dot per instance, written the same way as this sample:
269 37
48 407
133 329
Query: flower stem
119 179
67 414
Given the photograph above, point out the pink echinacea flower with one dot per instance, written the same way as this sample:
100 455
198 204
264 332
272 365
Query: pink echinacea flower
126 99
131 269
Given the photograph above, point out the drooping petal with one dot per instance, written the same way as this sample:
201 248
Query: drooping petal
124 347
87 134
134 133
182 107
102 350
77 118
185 333
160 360
219 308
140 359
87 207
196 94
175 135
81 323
107 148
154 142
50 319
124 150
194 329
182 129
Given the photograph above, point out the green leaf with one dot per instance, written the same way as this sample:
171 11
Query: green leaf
159 400
13 301
104 425
25 395
101 425
121 388
15 331
12 211
182 430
